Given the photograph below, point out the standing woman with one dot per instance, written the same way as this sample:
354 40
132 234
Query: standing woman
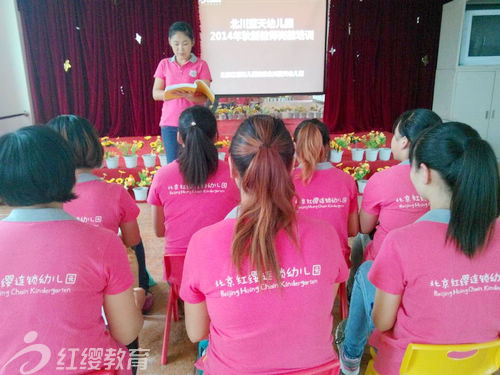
438 279
56 272
196 190
262 285
183 67
325 192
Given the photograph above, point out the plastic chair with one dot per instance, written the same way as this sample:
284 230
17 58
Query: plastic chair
174 264
329 368
464 359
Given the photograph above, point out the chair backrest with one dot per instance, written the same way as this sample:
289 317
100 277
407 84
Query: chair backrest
464 359
329 368
174 264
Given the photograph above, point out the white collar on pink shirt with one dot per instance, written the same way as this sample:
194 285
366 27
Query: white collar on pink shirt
192 59
38 214
233 214
86 177
438 215
320 166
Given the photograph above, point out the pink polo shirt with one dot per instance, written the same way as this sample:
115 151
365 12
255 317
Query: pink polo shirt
54 274
447 297
185 210
171 73
391 196
101 204
263 329
331 195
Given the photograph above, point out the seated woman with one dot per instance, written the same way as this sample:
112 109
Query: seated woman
195 190
325 192
437 279
390 201
262 285
99 203
56 271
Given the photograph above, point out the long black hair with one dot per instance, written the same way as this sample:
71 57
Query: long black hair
198 158
468 166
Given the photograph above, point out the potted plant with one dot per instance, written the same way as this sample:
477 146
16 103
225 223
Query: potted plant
220 112
111 159
373 141
356 152
129 152
219 145
141 189
337 146
158 148
359 173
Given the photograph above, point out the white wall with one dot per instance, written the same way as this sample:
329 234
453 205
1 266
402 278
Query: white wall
14 93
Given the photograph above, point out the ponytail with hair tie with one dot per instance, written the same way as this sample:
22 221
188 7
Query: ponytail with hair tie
262 152
198 158
312 146
468 166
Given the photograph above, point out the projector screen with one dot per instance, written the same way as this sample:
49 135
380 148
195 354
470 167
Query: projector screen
264 47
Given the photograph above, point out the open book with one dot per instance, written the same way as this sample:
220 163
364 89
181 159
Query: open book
198 87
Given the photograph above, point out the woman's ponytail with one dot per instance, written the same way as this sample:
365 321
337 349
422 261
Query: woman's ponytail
311 146
262 152
468 166
474 200
198 156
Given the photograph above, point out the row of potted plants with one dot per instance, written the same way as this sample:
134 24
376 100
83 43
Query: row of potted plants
129 153
374 142
240 112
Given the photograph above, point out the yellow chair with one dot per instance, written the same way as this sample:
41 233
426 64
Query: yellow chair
465 359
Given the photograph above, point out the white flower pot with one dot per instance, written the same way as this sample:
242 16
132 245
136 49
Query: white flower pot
371 154
112 162
357 154
384 153
361 185
336 156
149 160
163 159
140 193
130 161
222 155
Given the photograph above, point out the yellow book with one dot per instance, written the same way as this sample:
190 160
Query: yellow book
198 88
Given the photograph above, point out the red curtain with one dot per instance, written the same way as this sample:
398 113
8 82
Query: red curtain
381 61
111 74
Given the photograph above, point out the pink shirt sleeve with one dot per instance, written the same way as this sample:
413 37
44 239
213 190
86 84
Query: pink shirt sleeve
153 196
160 70
190 287
128 208
116 266
204 71
371 196
387 271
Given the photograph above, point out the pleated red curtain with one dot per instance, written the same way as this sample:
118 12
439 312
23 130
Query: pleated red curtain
381 61
113 47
